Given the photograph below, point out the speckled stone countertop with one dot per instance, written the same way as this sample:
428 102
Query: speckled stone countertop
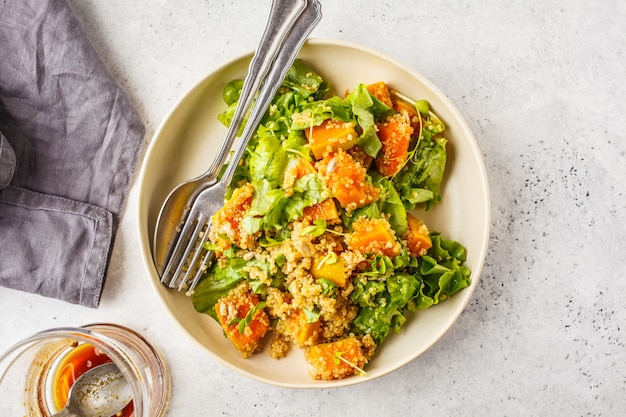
541 84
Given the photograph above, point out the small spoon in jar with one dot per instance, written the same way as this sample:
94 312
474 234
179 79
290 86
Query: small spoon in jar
100 392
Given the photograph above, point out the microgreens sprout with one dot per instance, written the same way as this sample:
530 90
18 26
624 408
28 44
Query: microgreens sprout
268 242
329 259
311 129
316 229
242 323
413 153
300 154
336 232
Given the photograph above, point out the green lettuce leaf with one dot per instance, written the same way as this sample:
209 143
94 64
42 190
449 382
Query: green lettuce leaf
420 181
361 98
304 81
271 208
368 110
307 191
314 113
378 321
268 160
370 211
219 281
300 86
386 311
394 287
442 272
232 91
216 284
391 204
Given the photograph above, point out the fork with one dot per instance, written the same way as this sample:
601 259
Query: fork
188 260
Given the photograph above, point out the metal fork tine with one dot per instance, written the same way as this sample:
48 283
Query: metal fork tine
198 249
173 257
191 244
206 261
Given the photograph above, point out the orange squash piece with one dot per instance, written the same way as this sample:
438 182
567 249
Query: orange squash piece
333 270
331 136
233 308
381 92
336 360
227 220
326 210
395 136
297 329
410 114
417 236
346 180
374 236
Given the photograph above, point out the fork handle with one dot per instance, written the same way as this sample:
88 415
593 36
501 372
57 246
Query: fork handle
287 54
282 16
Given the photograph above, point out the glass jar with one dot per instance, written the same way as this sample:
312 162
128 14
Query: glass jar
29 369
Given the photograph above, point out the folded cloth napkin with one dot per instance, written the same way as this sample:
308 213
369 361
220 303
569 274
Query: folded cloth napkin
70 139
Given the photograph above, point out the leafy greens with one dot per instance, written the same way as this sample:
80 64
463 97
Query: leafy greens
388 288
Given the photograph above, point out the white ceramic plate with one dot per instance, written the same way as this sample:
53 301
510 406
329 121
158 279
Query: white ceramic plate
185 143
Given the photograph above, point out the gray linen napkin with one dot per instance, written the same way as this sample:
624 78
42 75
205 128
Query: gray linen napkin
69 146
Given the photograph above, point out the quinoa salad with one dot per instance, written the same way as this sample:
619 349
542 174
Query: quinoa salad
319 245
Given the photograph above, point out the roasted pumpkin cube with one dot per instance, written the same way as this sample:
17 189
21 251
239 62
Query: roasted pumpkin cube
336 360
331 267
374 236
347 180
227 220
326 210
395 137
233 313
417 236
298 329
331 136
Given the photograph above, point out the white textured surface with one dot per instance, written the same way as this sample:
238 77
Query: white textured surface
542 85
